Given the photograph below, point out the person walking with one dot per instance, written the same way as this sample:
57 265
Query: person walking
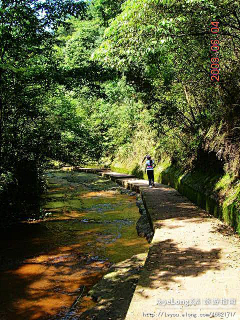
150 172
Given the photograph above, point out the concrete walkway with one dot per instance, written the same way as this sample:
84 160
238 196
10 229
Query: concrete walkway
192 270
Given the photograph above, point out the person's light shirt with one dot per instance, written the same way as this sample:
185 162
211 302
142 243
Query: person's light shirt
149 164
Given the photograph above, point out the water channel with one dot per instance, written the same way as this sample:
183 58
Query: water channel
47 264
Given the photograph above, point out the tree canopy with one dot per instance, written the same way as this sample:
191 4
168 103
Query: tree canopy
105 80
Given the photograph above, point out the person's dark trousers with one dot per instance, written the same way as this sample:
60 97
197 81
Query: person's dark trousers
150 177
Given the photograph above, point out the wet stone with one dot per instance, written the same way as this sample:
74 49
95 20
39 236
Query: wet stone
48 265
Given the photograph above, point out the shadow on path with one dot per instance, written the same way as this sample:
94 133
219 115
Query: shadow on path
167 263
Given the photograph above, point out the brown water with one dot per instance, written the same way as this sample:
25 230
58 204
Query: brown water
48 266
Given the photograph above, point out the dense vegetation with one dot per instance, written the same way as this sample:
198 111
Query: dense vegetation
108 81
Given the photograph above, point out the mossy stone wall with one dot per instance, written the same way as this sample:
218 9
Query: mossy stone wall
195 187
228 213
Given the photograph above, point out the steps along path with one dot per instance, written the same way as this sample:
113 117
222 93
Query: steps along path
193 266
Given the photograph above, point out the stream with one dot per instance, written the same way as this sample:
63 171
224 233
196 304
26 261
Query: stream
47 266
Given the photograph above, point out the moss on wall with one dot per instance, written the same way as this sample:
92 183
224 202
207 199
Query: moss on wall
204 191
215 193
135 170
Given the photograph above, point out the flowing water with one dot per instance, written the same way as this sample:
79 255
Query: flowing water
49 264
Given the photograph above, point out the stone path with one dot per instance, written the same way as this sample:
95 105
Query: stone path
192 270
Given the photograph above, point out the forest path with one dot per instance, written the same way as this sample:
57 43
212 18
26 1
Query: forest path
192 269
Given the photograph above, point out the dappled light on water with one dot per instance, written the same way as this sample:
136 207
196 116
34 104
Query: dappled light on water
49 265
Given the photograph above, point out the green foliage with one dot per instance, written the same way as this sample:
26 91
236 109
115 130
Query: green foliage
105 10
27 75
167 44
109 81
